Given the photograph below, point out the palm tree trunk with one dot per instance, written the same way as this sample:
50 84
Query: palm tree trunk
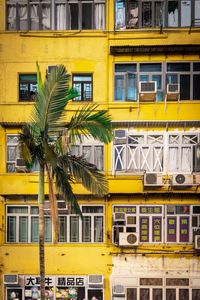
41 232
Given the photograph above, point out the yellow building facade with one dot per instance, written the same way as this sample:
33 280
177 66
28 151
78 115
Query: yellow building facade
139 60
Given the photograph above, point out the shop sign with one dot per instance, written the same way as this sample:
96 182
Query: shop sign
35 280
71 281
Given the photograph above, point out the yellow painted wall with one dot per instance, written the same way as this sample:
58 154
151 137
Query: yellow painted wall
86 51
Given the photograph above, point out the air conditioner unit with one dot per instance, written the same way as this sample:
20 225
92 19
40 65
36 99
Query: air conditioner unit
147 91
20 164
173 91
118 290
119 216
128 239
197 242
153 179
10 279
182 180
95 280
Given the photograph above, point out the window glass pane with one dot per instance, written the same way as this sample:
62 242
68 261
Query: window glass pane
74 229
170 294
75 150
196 66
159 14
92 209
184 229
195 294
61 17
87 91
86 229
197 9
62 229
87 153
98 157
178 67
11 17
99 16
119 87
172 78
185 13
34 210
132 21
34 229
125 67
196 87
146 14
120 14
46 16
17 209
171 229
144 294
11 153
82 78
157 294
132 87
86 15
77 86
47 229
183 294
23 16
98 228
34 16
185 87
74 15
132 294
23 229
150 67
173 13
11 229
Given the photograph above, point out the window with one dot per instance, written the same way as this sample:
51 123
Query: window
83 84
155 152
159 289
91 150
55 15
27 87
128 75
12 153
139 152
89 230
157 223
146 221
153 13
23 225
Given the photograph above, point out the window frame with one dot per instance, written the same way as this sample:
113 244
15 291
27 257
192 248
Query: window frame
82 83
164 73
164 15
100 25
28 82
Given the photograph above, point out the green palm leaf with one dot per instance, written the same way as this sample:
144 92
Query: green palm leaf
90 123
51 101
86 173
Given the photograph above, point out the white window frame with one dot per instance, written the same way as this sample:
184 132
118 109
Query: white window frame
29 215
90 143
92 215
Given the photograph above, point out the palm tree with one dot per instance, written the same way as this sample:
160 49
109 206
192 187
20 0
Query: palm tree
46 140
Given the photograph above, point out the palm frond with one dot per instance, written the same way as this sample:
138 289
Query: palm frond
39 78
51 100
86 173
93 123
63 184
27 144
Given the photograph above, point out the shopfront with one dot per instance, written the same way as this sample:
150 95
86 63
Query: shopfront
56 287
